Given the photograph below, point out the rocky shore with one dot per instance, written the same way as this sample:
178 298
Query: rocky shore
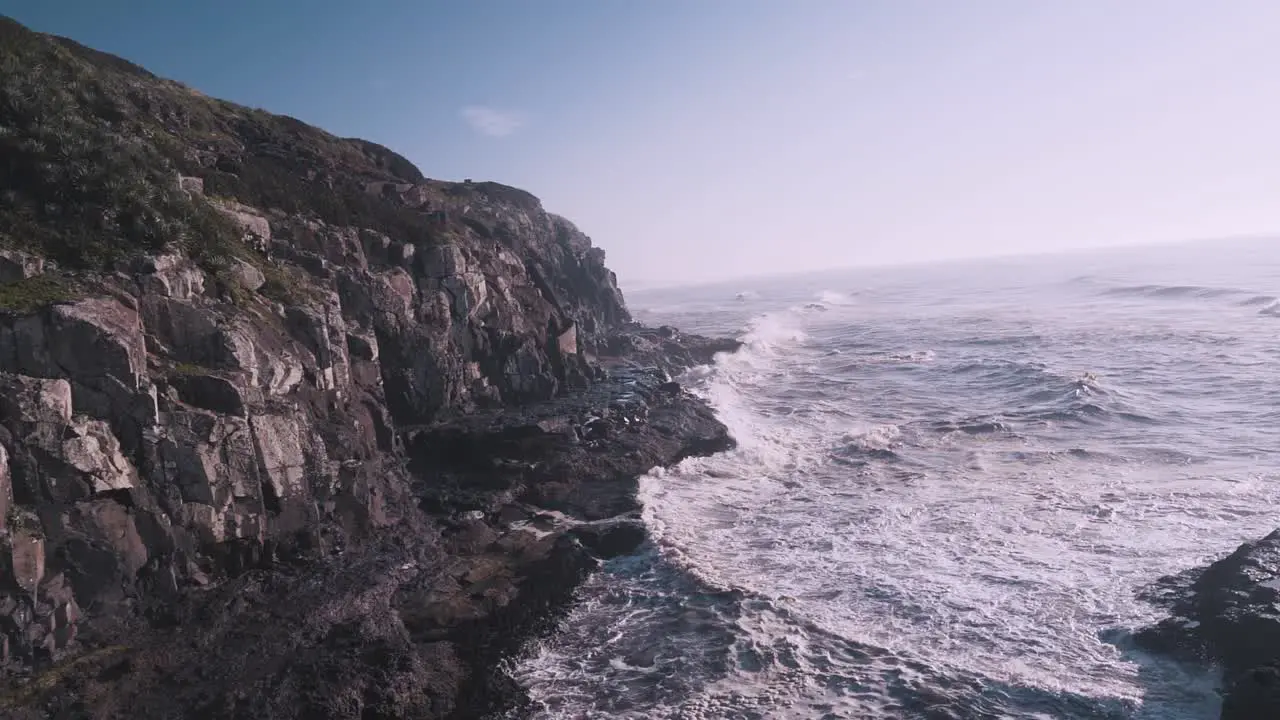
288 430
1228 615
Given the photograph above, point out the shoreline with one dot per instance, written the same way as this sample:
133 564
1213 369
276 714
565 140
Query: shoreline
518 565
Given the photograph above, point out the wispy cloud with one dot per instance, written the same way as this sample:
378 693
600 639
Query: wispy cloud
492 122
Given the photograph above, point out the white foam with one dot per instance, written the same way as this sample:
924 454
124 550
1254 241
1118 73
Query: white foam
832 297
877 437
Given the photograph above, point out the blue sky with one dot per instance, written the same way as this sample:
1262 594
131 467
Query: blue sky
704 139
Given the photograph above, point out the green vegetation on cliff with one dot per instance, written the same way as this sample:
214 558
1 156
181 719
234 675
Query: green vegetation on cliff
91 147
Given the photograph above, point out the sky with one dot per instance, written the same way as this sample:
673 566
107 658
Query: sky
698 140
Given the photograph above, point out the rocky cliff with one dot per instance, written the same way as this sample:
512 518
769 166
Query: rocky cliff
286 428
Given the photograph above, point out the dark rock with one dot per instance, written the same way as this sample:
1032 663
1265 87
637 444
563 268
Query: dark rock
1227 614
611 538
339 457
1253 694
210 392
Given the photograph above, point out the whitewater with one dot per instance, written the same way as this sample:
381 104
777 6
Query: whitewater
954 487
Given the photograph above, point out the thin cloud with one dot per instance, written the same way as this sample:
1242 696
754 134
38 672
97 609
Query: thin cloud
492 122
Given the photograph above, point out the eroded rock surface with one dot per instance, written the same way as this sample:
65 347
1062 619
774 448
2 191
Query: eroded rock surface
287 429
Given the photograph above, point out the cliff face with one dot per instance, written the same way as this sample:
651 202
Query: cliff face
281 420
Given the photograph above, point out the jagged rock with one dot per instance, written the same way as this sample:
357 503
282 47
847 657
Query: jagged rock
1229 613
16 265
279 441
26 558
171 276
79 455
324 332
34 401
91 340
256 227
211 392
212 461
298 503
246 275
188 332
611 538
568 341
91 449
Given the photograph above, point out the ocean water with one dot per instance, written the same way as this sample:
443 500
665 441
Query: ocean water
953 485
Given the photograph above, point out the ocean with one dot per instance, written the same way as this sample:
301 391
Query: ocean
953 486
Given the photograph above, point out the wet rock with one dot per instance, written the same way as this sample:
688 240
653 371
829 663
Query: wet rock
611 538
1253 694
1229 613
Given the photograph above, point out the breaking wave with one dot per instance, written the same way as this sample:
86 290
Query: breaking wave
940 509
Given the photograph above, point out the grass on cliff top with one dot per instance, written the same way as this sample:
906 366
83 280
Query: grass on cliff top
91 147
84 176
35 293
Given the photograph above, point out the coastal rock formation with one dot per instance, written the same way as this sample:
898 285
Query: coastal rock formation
1229 614
286 428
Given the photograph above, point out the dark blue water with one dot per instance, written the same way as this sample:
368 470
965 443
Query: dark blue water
953 483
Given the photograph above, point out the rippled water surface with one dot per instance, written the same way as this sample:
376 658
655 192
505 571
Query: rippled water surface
952 484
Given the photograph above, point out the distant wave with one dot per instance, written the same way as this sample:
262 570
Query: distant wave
1257 300
1272 310
1174 291
1042 395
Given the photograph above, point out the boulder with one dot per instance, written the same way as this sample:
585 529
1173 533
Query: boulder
1229 614
34 401
246 275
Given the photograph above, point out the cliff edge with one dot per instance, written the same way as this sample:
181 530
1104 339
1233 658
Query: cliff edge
286 428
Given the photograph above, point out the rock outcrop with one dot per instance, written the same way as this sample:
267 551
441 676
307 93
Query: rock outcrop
1228 614
286 428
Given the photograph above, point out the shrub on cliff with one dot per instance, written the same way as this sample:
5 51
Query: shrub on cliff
91 147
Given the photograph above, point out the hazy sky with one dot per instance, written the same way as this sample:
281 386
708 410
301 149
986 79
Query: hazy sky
700 139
